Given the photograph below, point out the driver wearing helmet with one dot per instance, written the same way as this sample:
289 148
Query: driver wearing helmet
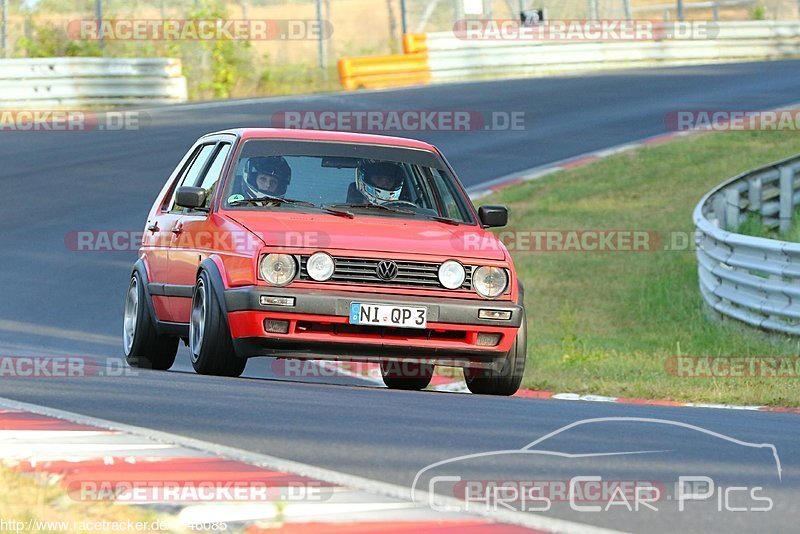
269 175
379 181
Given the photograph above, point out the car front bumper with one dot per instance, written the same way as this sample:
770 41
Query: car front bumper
318 327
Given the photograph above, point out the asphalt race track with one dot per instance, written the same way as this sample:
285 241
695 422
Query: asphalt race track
55 301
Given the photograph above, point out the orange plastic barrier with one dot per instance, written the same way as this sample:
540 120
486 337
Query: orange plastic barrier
415 42
380 72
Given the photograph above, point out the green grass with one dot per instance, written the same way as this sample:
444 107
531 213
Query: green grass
606 322
752 226
42 505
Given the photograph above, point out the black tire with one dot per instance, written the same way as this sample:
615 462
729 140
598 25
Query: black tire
143 346
410 376
507 379
210 345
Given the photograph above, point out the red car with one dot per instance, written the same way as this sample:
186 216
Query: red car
325 245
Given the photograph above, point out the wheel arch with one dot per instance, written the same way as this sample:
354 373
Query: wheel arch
212 266
140 268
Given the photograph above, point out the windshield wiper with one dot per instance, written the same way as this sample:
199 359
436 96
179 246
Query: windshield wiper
340 213
445 220
280 200
373 207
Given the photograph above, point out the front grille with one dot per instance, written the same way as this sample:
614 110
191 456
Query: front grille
365 271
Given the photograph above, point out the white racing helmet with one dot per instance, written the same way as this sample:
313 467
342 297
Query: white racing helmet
379 181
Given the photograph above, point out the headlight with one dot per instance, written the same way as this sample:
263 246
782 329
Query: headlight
452 274
489 282
278 269
320 266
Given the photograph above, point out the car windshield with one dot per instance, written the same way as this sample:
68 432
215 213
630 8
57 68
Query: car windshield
364 180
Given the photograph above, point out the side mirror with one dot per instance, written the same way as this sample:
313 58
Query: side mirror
190 197
493 216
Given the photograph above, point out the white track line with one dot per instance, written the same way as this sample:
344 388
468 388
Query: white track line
327 475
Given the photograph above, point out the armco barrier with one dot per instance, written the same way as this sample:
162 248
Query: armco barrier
63 82
443 56
454 58
752 279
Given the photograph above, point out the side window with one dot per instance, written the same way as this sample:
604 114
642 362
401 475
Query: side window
422 194
212 177
192 173
450 203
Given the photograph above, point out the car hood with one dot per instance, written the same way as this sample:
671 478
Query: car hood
371 234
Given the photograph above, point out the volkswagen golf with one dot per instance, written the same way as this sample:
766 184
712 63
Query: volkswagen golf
325 245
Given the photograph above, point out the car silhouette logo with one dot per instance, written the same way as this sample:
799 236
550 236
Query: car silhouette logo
387 270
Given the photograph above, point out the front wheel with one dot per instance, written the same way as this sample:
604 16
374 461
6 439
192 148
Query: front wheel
210 341
410 376
143 345
507 379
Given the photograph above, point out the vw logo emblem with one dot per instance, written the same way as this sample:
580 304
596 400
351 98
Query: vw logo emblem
387 270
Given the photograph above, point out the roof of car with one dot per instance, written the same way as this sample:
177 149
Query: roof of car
326 135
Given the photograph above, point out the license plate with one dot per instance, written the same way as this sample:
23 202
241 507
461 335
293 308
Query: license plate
388 315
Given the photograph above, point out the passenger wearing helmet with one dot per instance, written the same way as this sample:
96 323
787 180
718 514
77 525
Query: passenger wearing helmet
379 181
267 176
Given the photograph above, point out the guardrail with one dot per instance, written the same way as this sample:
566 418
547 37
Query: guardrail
443 56
453 58
713 5
62 82
752 279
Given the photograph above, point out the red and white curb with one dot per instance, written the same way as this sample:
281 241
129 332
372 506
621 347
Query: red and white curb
458 386
371 373
575 162
648 402
92 457
498 184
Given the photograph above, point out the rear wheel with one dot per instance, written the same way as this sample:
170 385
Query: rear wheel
143 346
507 379
210 341
411 376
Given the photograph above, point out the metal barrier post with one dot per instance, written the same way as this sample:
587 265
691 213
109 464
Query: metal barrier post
4 36
786 198
754 195
98 14
626 6
732 220
323 60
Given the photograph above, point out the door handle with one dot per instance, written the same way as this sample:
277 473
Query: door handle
178 230
153 227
